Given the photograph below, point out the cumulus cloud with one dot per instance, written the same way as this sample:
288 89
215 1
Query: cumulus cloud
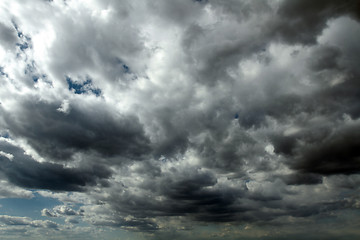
24 221
149 115
61 210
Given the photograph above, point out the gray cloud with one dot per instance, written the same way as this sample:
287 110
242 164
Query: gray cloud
336 154
302 21
79 130
24 171
157 117
8 36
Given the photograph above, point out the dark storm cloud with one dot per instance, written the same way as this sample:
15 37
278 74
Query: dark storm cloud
178 12
322 148
226 154
59 135
329 101
295 22
24 171
344 181
191 196
302 178
241 10
325 57
302 21
278 107
188 192
337 154
196 195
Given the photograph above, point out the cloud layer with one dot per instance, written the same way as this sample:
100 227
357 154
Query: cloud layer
165 117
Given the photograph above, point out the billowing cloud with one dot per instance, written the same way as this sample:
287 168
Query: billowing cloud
95 130
63 211
168 118
24 171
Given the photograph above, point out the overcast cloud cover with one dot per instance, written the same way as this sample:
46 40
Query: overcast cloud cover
180 119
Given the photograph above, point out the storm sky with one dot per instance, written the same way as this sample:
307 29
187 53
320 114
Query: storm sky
180 119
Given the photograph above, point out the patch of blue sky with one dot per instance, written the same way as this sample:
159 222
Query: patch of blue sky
28 207
124 66
82 87
23 46
2 72
26 40
30 68
19 33
35 78
4 134
96 91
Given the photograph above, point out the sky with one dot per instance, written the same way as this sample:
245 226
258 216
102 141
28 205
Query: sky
180 119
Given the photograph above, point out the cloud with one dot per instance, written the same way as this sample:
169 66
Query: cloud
61 210
8 36
336 154
302 21
163 117
8 190
24 171
24 221
79 130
